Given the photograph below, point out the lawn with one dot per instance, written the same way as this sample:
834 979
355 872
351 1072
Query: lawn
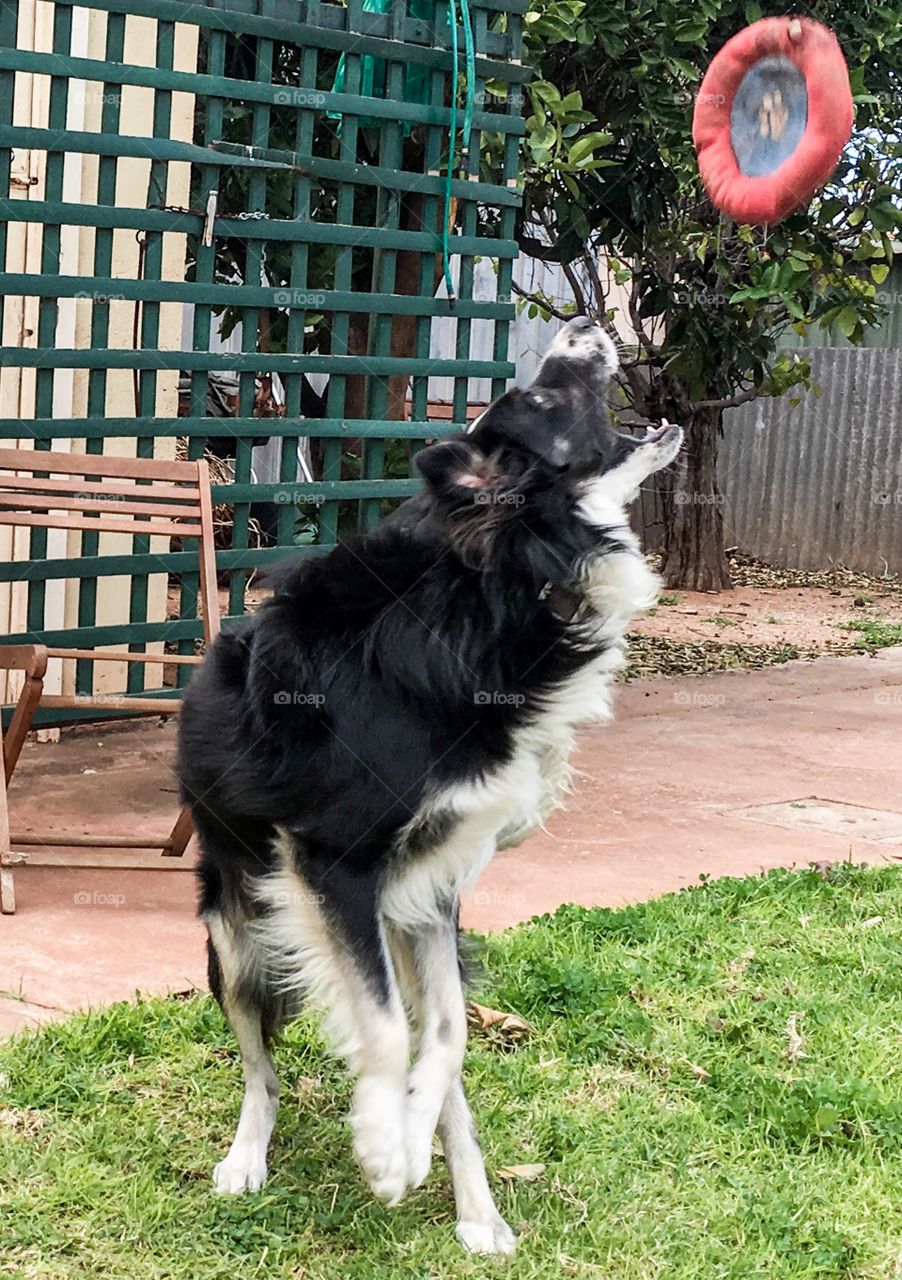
712 1088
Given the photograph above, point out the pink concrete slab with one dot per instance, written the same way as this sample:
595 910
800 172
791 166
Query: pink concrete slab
19 1015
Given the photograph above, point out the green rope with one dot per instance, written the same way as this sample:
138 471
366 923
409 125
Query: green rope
470 100
470 51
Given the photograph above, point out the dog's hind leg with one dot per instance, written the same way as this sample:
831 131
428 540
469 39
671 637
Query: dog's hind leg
480 1227
428 966
244 1168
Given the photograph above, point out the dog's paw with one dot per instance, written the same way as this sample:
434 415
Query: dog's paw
384 1167
379 1150
241 1170
377 1122
494 1236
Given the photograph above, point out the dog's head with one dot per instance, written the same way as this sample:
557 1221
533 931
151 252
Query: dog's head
544 460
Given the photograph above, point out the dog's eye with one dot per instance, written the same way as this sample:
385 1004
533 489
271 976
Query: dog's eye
559 453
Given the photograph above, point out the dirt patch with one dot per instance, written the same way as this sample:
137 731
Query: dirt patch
771 616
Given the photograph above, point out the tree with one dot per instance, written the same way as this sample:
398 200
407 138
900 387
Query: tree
611 181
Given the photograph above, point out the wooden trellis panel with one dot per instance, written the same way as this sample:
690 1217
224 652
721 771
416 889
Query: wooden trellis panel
313 225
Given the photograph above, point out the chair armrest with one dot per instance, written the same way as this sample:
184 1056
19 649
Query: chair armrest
104 655
31 658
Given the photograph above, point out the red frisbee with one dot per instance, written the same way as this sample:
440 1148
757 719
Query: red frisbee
771 118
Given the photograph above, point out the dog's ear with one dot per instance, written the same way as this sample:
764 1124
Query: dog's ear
458 467
477 492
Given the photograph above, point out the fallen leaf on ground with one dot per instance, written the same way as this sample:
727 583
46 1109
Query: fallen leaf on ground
24 1120
795 1049
509 1026
521 1172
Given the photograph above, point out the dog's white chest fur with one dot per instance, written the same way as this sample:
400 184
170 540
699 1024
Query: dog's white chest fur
504 806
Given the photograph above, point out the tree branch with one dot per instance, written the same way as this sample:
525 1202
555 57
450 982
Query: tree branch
578 295
635 319
541 300
728 402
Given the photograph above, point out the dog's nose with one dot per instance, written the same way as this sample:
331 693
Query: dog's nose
579 324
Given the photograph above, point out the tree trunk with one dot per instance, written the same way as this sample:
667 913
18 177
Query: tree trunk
694 556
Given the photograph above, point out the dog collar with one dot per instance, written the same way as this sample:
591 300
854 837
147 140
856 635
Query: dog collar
563 604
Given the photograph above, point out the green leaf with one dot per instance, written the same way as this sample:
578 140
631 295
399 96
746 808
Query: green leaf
546 92
546 136
690 32
588 143
826 1117
847 321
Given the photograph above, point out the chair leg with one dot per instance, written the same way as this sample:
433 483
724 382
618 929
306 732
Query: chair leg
7 888
181 834
7 892
21 722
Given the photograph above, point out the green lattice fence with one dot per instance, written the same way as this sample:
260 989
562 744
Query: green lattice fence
310 226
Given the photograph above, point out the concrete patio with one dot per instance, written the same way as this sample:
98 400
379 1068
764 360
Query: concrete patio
722 775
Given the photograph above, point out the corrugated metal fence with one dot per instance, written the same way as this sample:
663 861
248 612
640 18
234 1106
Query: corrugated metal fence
820 483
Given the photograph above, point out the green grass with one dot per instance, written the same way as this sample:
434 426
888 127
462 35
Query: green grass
874 634
713 1084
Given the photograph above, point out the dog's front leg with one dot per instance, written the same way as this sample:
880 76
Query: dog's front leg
371 1021
442 1024
326 935
378 1113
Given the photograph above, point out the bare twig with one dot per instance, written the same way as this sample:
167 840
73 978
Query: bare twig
729 402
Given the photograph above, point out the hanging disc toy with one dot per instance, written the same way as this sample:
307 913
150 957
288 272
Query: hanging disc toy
772 116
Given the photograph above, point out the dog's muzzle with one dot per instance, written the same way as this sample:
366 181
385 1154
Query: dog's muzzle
580 339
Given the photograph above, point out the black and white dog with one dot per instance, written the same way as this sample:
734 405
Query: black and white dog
400 709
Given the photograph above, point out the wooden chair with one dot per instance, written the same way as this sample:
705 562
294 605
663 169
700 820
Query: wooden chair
88 492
